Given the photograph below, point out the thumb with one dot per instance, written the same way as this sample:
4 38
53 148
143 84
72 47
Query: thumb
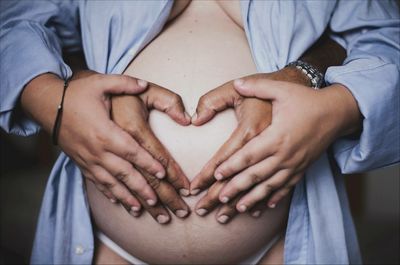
121 84
166 101
260 88
213 102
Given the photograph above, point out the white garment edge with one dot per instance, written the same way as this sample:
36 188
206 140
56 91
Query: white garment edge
254 259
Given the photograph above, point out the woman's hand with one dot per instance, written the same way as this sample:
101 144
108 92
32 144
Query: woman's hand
131 114
102 150
304 123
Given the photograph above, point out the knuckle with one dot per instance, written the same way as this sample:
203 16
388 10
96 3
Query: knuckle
101 139
205 102
130 155
123 177
131 128
98 78
270 186
125 80
248 158
255 178
109 184
153 182
175 100
164 161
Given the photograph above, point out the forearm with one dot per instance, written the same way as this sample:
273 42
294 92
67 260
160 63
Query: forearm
341 110
40 99
324 53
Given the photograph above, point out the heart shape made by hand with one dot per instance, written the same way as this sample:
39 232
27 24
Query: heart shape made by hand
193 146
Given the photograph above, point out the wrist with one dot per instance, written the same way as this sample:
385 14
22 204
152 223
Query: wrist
291 74
40 99
342 109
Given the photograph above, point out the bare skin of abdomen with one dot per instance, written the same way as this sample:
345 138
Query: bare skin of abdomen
198 51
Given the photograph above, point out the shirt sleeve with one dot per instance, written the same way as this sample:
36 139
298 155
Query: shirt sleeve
370 32
32 37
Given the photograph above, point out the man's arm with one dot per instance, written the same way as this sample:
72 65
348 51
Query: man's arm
255 117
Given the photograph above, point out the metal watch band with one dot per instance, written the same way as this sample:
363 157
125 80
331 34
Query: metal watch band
315 76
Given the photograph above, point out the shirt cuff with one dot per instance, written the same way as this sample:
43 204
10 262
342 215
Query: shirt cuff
374 85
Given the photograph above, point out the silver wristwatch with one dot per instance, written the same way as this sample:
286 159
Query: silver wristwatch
315 76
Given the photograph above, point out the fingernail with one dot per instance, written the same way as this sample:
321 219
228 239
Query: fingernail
218 176
194 117
242 208
113 200
151 202
135 208
256 214
195 191
201 211
181 213
184 192
272 205
160 175
142 83
162 219
223 219
135 214
238 82
224 199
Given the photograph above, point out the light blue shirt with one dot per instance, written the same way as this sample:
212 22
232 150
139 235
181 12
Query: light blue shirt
320 228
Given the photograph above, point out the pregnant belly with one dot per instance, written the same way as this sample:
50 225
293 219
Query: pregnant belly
198 51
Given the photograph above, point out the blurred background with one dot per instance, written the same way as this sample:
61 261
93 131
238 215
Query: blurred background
25 164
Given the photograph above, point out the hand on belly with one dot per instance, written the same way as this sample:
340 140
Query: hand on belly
192 146
182 141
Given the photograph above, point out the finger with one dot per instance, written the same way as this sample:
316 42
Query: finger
253 116
248 178
99 186
215 101
227 211
130 177
261 88
119 84
175 175
168 195
263 190
206 176
258 209
278 195
207 203
257 149
123 145
158 212
119 191
166 101
106 192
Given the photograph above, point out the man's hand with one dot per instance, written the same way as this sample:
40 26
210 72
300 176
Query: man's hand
253 117
131 114
102 150
304 123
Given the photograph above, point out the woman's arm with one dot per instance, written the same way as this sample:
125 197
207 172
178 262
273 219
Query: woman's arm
32 70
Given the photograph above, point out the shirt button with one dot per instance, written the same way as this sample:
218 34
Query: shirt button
79 250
